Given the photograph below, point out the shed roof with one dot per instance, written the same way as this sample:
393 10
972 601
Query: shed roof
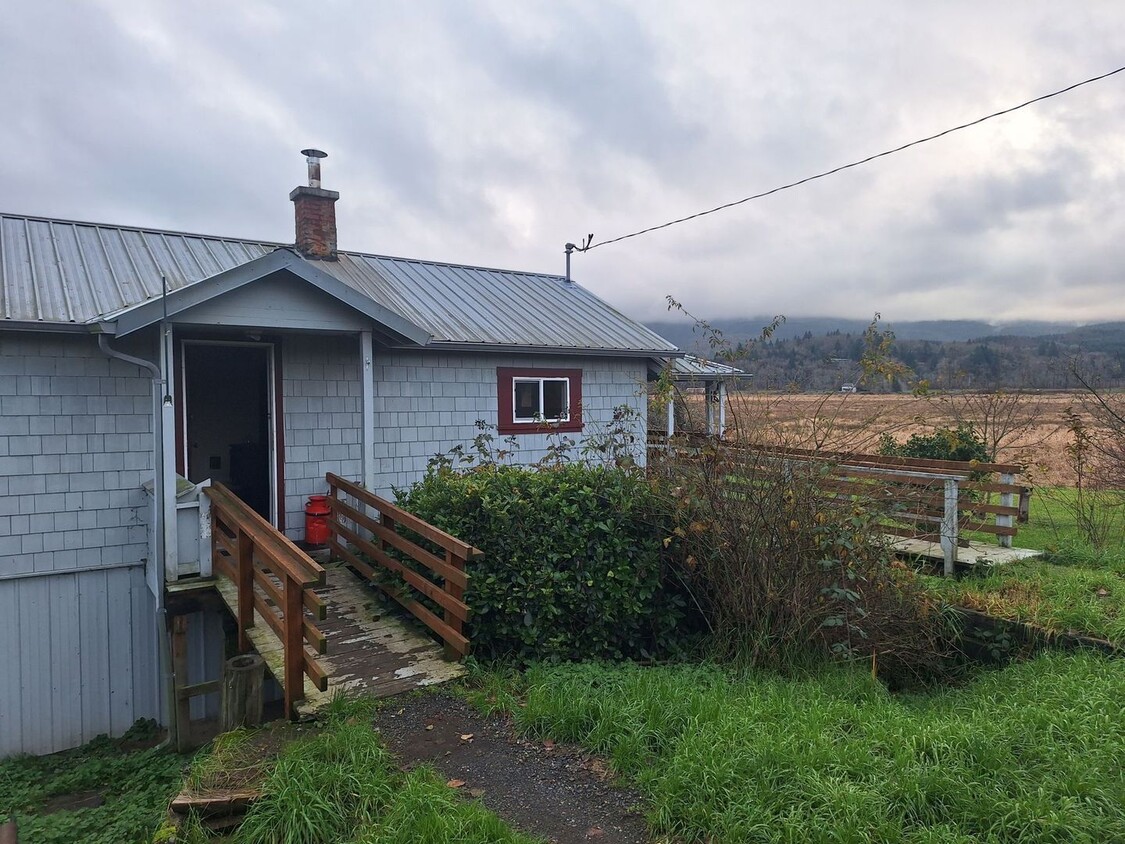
60 272
690 367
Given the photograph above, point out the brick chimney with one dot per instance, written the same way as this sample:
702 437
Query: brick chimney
315 211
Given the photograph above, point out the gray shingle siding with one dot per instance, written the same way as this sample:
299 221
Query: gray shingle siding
323 409
425 404
75 446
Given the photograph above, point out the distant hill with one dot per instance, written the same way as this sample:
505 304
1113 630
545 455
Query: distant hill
815 354
682 334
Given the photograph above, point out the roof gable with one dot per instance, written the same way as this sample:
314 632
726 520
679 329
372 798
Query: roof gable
187 300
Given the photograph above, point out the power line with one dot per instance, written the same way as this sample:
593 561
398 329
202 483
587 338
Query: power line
834 170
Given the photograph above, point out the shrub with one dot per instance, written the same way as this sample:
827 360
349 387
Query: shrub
574 564
960 443
784 566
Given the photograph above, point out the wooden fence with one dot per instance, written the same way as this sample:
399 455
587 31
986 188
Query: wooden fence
276 578
385 547
935 500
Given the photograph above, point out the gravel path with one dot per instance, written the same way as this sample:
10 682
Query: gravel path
557 792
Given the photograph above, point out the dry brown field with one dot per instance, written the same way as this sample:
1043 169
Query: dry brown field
855 421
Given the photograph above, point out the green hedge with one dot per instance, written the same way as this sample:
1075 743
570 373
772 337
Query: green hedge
573 563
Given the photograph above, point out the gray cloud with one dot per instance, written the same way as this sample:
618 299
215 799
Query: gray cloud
495 132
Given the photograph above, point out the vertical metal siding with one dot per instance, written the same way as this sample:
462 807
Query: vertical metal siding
79 658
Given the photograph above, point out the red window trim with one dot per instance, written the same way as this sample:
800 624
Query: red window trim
505 423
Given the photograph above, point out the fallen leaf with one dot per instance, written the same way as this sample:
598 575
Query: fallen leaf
548 744
467 737
1103 593
595 832
476 792
455 783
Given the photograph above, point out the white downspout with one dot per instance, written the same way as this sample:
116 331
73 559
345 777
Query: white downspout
366 374
165 685
168 455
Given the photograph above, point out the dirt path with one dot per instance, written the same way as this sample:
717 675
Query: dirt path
557 792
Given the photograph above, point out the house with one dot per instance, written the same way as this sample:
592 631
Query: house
132 356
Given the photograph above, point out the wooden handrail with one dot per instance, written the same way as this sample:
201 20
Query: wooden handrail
853 458
370 543
275 578
407 520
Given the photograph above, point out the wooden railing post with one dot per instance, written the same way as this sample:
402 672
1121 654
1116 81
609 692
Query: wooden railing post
1007 499
245 568
949 526
457 592
294 646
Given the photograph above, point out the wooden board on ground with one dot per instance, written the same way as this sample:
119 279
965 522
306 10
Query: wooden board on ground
974 554
371 650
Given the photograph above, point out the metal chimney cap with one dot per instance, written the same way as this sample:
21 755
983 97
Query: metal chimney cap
314 153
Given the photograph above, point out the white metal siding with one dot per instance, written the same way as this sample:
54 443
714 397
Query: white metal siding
79 658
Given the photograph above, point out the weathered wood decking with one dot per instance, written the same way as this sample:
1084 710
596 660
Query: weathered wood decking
972 554
370 649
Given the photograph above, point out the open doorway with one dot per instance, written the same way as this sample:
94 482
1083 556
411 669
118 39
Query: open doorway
228 419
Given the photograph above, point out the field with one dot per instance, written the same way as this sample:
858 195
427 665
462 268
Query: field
855 421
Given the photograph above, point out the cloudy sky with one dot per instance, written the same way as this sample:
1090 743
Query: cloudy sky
494 132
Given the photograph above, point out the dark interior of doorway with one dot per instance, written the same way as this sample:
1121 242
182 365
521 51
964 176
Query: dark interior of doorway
226 389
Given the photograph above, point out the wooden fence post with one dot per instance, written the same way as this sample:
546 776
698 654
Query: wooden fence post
949 526
242 692
1007 499
179 681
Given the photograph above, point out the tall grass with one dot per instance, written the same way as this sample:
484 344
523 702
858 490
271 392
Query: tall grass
1029 753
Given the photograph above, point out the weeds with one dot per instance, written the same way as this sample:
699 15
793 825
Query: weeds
135 785
1028 753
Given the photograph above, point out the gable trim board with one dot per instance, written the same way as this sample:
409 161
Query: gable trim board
185 298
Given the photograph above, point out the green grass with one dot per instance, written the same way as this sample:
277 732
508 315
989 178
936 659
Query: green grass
136 786
1029 753
1072 587
1069 591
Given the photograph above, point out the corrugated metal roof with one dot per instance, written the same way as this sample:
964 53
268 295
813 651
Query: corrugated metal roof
459 304
58 271
690 366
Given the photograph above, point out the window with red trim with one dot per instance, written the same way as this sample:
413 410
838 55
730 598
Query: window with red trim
537 400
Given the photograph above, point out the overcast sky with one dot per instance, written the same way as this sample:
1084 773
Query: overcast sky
494 132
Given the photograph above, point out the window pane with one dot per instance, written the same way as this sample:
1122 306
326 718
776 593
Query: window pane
526 400
555 400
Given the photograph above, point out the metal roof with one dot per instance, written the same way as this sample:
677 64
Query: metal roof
689 367
58 271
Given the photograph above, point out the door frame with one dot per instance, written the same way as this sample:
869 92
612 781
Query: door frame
275 424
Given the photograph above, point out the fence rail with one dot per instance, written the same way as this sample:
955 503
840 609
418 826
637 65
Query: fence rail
935 500
381 543
275 578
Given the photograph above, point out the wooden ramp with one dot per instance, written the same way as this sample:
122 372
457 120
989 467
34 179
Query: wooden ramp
369 649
